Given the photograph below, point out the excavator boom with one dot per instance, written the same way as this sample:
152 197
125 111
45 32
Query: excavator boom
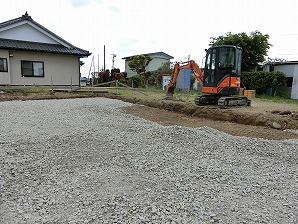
197 72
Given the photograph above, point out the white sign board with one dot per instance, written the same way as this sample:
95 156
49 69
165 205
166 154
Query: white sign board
165 81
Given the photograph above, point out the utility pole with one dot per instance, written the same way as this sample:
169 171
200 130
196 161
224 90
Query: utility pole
98 63
104 57
113 60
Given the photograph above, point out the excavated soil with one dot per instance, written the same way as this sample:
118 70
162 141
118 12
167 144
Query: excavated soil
262 120
165 117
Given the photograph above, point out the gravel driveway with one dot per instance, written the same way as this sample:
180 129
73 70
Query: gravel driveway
84 161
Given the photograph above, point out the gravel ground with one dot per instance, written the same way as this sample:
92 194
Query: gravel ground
85 161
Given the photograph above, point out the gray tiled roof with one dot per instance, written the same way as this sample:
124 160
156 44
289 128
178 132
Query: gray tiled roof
35 46
164 55
41 47
11 22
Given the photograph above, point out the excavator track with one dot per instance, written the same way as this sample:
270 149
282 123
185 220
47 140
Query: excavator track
231 101
222 101
206 99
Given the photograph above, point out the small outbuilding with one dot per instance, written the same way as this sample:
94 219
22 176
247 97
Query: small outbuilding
290 69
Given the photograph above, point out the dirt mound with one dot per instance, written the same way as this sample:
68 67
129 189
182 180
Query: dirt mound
38 95
237 115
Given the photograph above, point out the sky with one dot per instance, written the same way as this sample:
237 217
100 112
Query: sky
180 28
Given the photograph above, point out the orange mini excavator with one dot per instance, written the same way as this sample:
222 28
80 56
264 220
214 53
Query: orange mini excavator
220 80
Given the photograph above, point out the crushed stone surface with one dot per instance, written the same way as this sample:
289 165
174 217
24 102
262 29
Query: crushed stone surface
86 161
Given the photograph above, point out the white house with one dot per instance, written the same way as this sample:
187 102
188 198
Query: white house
30 54
290 68
158 58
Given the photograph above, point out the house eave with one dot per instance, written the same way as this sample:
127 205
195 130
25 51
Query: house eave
41 47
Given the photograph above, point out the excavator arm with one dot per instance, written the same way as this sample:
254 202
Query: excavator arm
197 72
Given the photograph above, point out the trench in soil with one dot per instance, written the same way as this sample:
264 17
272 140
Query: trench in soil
215 113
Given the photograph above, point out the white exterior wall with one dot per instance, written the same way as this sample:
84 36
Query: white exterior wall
5 76
127 69
156 63
26 32
287 69
291 70
59 70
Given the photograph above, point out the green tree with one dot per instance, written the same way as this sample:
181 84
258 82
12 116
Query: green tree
255 47
139 63
166 68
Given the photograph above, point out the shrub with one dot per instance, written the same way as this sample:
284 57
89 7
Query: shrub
152 80
136 80
260 81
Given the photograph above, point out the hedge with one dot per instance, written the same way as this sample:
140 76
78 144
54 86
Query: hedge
260 81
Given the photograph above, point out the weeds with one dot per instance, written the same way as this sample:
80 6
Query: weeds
277 99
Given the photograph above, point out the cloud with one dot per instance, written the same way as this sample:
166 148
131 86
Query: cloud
115 9
81 3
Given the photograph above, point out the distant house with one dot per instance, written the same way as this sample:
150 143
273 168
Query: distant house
158 59
30 54
290 68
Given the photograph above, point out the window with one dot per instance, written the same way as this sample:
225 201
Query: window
210 68
32 68
226 58
289 81
3 65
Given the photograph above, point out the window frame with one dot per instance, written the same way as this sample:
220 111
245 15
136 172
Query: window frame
32 69
4 70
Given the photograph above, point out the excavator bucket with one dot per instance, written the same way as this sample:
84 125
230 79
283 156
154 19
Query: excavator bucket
170 92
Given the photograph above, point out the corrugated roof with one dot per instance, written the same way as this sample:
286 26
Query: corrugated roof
36 46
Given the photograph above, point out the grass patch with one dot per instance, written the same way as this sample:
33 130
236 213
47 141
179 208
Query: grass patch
277 99
159 94
6 89
156 94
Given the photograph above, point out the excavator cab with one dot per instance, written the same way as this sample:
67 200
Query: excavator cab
222 62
